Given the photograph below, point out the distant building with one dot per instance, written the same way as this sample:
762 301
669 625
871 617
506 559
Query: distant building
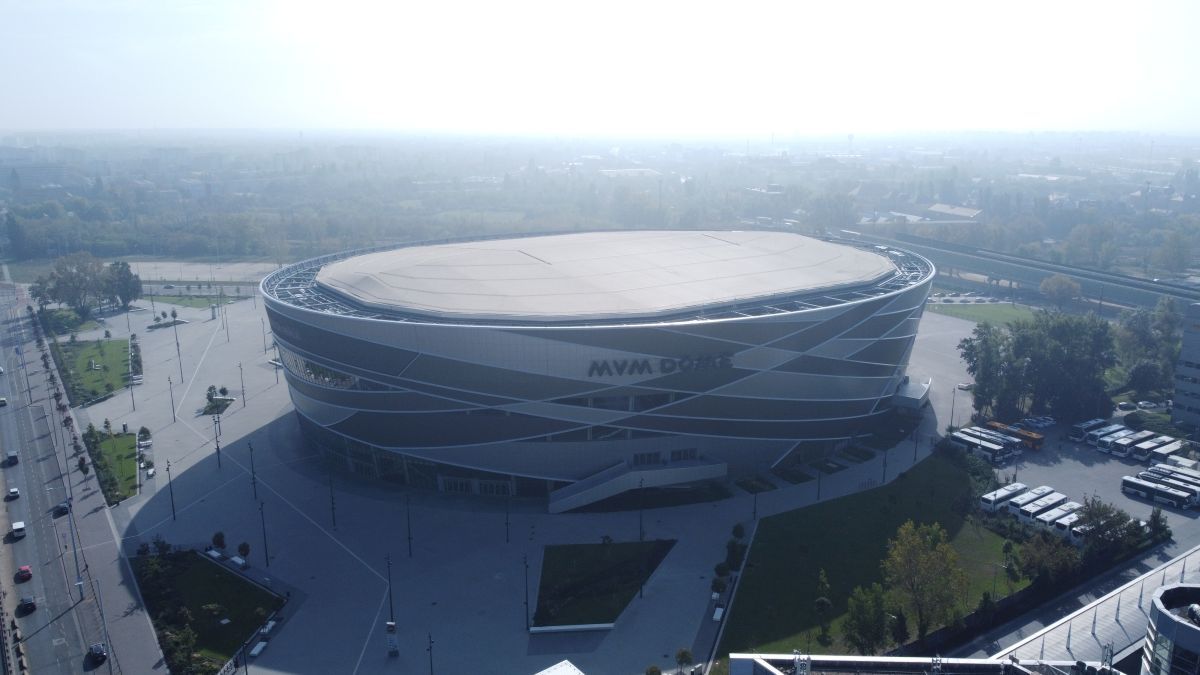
1186 410
941 211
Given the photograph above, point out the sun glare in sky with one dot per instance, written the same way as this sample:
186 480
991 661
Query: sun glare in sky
610 68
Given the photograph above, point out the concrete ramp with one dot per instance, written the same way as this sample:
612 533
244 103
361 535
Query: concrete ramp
622 477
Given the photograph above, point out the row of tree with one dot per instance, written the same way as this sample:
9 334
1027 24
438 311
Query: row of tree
82 282
1053 363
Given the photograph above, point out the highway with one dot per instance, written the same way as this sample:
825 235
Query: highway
53 638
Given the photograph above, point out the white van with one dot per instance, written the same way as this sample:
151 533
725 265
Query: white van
18 529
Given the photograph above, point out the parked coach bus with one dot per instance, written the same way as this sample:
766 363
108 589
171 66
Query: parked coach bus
1030 439
1154 492
1142 451
1035 508
1124 446
1080 431
1015 504
1162 455
994 501
1105 444
1047 520
1063 526
1095 435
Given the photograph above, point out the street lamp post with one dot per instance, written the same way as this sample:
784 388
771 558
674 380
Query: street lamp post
263 518
953 396
253 475
525 561
391 607
131 401
430 650
172 388
333 506
217 439
264 333
171 489
242 379
408 520
178 353
641 509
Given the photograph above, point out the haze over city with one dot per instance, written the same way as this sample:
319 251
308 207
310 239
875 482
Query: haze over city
677 69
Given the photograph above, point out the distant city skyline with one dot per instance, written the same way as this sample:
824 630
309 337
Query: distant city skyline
616 69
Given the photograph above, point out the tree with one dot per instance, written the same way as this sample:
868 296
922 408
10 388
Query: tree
1159 529
218 539
83 467
121 284
1144 377
823 608
244 550
865 626
1048 560
143 434
683 657
211 393
923 570
1174 254
653 670
1059 289
900 627
76 281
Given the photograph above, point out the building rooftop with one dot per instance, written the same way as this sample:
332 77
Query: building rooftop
599 275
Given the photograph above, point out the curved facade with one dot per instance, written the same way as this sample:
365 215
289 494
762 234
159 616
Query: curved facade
507 398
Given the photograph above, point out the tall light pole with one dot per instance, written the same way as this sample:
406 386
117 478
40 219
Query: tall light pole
408 519
242 379
641 509
178 354
171 386
525 561
953 397
253 475
264 332
217 440
277 361
25 369
131 401
391 607
430 650
171 489
263 518
333 506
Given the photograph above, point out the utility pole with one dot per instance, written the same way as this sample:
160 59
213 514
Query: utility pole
391 607
506 510
333 508
277 361
264 332
525 561
171 488
178 353
242 378
253 475
263 518
131 401
25 369
172 388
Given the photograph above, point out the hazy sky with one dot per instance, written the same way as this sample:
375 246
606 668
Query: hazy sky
605 68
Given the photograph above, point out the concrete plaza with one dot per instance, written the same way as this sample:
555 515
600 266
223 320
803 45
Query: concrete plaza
460 580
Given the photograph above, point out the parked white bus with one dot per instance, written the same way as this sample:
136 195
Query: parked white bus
1037 507
1096 434
1105 444
1122 447
1162 455
1047 520
994 501
1142 451
1080 431
1155 492
1015 504
1064 525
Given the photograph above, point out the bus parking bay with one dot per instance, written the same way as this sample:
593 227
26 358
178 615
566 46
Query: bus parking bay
1079 470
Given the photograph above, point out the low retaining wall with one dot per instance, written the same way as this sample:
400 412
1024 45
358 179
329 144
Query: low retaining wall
576 628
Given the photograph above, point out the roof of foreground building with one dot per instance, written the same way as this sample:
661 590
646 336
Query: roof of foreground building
599 275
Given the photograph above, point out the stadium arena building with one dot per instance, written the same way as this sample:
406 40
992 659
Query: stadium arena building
583 365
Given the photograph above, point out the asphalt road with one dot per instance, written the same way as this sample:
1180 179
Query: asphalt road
53 637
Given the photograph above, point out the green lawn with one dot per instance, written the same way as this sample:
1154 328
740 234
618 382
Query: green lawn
995 312
773 611
120 457
197 301
85 383
195 583
592 583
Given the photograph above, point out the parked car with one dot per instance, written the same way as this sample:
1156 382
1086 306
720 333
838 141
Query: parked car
1126 405
62 509
13 493
1147 405
26 605
24 573
97 653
